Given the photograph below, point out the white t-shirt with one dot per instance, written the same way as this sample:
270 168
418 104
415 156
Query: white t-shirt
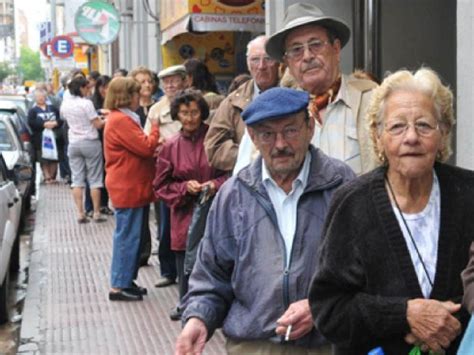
79 114
424 227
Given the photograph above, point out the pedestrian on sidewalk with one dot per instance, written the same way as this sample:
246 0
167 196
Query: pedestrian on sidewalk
98 98
256 260
45 116
130 170
144 77
85 149
183 172
173 81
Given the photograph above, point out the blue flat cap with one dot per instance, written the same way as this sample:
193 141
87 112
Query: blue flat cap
275 103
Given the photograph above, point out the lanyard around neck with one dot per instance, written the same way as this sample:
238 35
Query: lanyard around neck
409 231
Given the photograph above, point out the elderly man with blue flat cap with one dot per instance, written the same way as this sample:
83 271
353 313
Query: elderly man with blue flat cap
259 252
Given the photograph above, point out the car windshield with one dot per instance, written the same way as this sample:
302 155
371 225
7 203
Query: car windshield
6 141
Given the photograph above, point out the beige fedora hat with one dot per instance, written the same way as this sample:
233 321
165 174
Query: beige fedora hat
301 14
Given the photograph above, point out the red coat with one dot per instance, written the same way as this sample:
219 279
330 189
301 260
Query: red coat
183 158
129 161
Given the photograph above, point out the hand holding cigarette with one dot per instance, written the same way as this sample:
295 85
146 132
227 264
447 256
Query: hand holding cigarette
296 322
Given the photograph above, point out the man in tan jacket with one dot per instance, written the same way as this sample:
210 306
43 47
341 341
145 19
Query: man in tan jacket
310 45
227 128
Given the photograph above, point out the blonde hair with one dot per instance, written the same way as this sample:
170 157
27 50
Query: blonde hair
425 81
120 92
141 70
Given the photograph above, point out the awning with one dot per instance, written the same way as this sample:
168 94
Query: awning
214 22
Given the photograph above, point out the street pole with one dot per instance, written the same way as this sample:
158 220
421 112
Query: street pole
52 5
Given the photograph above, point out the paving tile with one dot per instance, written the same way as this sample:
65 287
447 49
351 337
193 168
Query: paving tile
66 308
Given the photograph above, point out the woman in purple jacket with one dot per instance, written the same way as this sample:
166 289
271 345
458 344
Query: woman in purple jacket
183 171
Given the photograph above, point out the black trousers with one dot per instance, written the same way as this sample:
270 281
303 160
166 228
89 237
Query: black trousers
183 279
165 255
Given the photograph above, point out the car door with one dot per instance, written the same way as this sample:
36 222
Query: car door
10 206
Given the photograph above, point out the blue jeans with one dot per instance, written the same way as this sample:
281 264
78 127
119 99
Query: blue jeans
128 226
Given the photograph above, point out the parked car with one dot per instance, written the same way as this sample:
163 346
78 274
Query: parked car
18 100
10 212
17 158
19 118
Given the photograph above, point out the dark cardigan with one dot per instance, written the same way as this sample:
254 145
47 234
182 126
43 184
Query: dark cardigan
366 276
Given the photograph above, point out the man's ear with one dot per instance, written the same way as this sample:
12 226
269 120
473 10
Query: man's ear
252 134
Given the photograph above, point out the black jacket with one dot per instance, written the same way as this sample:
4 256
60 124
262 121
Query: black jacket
365 278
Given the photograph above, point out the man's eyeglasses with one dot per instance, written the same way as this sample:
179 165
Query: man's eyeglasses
288 134
422 128
256 60
297 51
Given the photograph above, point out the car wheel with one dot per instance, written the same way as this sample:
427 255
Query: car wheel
15 255
4 315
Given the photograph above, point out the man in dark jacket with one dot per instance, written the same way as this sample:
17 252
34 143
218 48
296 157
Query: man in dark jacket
258 255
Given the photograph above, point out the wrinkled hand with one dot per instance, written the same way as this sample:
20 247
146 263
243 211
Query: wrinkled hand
50 124
193 187
432 324
299 316
192 339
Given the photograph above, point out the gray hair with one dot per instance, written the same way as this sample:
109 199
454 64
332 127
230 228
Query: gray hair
425 81
256 40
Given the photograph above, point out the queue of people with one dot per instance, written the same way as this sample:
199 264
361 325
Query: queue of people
333 223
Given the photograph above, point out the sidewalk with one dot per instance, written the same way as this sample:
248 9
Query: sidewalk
67 309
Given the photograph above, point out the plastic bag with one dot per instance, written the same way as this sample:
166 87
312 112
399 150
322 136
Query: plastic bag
49 150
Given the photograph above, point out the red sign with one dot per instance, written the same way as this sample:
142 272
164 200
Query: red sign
62 46
46 49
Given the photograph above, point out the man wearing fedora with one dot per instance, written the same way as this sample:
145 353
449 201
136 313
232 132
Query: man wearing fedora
310 45
227 128
258 255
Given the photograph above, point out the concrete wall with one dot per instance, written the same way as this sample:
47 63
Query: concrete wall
465 82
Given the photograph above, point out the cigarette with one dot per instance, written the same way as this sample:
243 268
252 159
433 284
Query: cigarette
288 331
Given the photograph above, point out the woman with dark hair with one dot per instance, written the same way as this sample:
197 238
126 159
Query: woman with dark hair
100 91
85 149
200 78
129 163
182 172
98 98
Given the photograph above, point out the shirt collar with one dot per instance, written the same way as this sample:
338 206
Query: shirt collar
342 95
301 179
131 114
256 90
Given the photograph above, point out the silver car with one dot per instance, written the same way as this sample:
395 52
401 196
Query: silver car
18 159
10 211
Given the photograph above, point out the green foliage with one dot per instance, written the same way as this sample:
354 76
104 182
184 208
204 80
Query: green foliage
5 70
29 65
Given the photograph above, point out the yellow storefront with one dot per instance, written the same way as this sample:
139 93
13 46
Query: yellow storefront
215 31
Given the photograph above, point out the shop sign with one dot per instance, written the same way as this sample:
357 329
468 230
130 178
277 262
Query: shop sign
97 22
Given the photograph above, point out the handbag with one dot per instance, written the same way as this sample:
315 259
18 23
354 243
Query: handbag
49 150
196 229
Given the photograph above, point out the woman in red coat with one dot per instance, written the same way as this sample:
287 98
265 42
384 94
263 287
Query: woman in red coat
183 171
130 170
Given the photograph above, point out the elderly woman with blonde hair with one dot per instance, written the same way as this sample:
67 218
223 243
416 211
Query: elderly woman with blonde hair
130 170
397 238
